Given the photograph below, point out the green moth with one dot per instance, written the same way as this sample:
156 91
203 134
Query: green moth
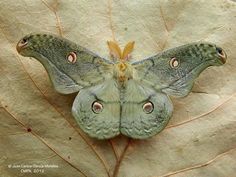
120 96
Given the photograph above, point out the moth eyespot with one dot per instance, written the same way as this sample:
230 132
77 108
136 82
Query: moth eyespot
174 62
220 52
148 107
23 42
97 107
72 57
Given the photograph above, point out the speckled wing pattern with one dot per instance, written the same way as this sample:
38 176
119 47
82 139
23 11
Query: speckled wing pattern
135 104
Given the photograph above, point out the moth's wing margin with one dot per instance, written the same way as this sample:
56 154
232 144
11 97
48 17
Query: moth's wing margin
67 77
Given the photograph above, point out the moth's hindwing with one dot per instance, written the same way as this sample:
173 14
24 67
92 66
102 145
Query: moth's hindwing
97 110
145 112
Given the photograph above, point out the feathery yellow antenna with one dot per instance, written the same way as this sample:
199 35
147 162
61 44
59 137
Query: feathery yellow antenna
127 50
115 50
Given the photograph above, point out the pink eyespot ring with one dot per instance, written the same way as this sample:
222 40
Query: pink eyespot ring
72 57
21 44
148 107
174 62
97 107
221 54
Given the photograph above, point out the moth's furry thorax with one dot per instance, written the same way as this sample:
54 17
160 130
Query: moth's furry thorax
122 72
